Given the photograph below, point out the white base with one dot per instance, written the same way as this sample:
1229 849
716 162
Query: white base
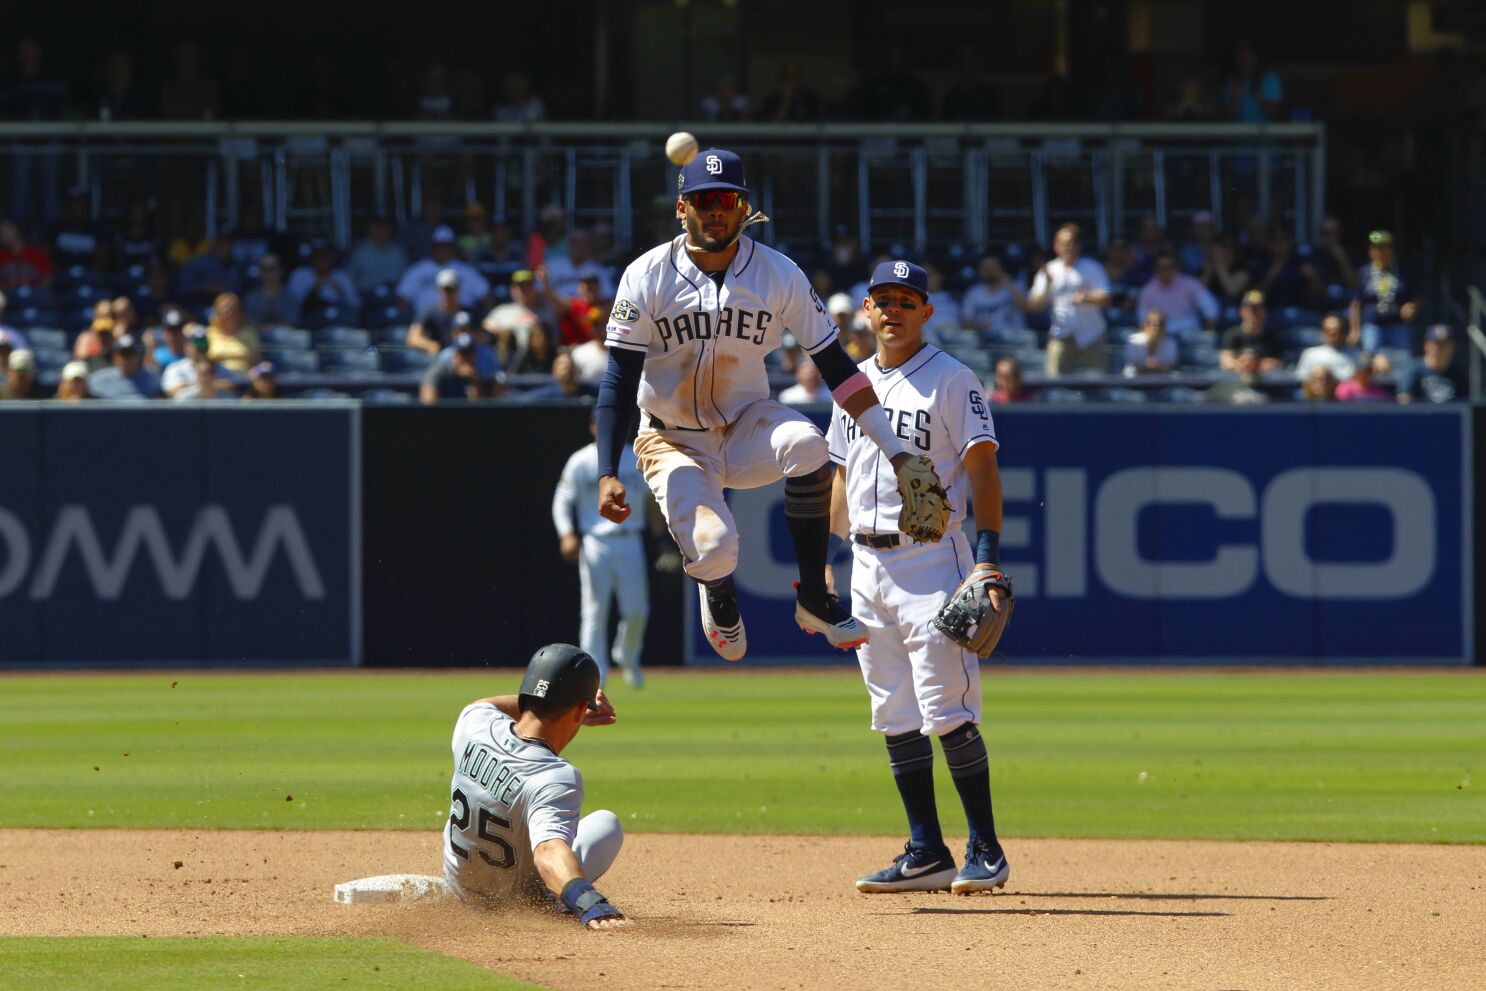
389 888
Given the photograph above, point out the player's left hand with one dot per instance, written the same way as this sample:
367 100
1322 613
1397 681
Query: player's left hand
600 711
993 594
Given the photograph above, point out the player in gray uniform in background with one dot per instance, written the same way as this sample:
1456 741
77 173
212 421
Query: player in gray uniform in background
514 825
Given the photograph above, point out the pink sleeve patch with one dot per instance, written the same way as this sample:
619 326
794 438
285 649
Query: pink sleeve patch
851 387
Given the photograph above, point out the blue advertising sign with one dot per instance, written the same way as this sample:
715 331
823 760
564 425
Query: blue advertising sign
1177 536
155 534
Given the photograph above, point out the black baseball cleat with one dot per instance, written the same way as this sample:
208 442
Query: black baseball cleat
825 614
722 621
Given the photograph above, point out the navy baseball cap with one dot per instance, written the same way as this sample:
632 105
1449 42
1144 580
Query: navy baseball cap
900 273
464 342
714 168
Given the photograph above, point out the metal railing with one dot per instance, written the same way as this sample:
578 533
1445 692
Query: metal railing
915 185
1477 338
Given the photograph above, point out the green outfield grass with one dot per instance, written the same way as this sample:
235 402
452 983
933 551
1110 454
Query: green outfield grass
127 963
1312 756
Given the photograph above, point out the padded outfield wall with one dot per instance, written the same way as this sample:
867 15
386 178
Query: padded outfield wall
327 533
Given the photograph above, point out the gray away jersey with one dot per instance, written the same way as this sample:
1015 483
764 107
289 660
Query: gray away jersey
937 408
508 797
704 346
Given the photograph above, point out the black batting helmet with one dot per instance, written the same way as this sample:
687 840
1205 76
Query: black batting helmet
561 675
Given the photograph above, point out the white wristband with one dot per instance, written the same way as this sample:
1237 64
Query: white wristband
874 423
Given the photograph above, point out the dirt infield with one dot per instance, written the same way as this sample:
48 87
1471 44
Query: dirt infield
779 912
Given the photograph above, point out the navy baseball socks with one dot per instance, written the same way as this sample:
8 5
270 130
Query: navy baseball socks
807 510
925 863
985 864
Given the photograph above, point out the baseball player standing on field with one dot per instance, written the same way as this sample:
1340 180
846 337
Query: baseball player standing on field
610 558
922 683
691 324
513 820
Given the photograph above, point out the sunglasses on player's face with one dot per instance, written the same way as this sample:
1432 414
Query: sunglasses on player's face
715 199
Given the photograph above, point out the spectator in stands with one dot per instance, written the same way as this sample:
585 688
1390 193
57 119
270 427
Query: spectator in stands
1319 386
1009 385
234 345
790 354
1244 389
459 375
1437 377
843 311
165 343
1192 102
551 235
74 385
1119 269
250 241
1151 350
418 289
155 292
505 252
993 305
567 269
76 240
126 320
1077 290
1251 334
1330 262
377 260
263 382
1384 306
1283 282
474 243
1223 271
1332 352
95 343
8 334
1149 243
519 105
791 101
320 285
1194 253
510 323
1187 306
126 378
20 376
808 387
190 95
137 243
1361 388
22 264
591 358
212 273
271 304
433 328
947 315
725 104
575 314
1253 93
860 344
565 383
537 355
119 97
417 235
182 373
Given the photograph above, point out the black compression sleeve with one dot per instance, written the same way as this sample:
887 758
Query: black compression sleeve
835 364
616 406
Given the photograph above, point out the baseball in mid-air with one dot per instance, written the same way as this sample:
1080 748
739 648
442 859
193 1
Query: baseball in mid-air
681 147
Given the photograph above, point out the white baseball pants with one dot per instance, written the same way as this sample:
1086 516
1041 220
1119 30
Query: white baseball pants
613 566
688 470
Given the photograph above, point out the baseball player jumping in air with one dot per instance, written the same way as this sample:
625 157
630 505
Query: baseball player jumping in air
513 820
691 324
924 603
610 558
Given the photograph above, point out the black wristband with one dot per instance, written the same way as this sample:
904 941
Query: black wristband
987 547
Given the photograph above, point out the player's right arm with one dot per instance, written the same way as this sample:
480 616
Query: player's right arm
628 338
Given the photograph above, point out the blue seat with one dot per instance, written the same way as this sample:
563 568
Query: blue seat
32 316
30 296
293 359
1118 395
49 358
388 397
75 317
1058 394
48 337
328 316
376 315
286 337
349 359
350 337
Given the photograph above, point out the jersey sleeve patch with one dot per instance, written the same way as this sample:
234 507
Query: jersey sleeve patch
624 312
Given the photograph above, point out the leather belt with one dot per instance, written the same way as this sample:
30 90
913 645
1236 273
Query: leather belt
657 424
879 541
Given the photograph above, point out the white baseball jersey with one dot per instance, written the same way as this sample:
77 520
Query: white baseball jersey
705 343
508 797
938 409
1084 322
576 498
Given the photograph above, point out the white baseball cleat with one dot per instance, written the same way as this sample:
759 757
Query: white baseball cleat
828 617
722 621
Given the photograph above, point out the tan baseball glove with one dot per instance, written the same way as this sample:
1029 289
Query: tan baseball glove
925 511
969 619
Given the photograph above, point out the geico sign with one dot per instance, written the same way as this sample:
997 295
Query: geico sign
1233 568
73 535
